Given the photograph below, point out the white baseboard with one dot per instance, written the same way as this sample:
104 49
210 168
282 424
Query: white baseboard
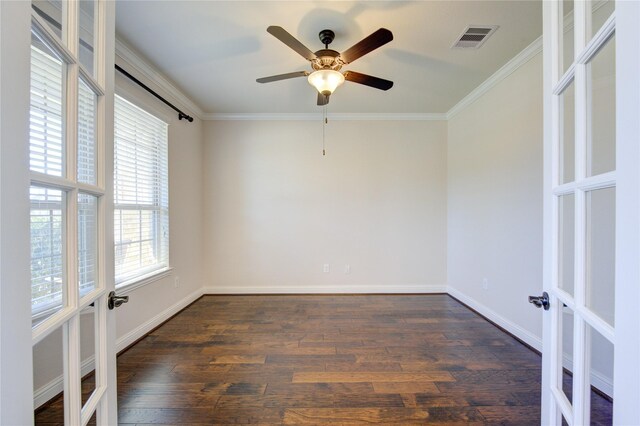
328 289
55 386
513 328
124 341
598 380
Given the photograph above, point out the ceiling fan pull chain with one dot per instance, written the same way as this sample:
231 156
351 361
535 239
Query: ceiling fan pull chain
324 125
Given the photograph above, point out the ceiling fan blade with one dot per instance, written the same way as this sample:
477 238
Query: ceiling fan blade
282 35
282 76
366 45
368 80
322 99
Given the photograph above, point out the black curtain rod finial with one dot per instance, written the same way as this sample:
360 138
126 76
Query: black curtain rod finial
181 114
185 116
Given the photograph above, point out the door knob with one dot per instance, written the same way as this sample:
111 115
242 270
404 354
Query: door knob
116 301
540 301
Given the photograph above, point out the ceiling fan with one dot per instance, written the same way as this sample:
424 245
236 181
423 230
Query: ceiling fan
326 63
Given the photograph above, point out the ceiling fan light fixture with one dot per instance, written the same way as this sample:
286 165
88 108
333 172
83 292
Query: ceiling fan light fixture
326 81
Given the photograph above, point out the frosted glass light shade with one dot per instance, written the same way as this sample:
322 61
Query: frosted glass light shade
326 81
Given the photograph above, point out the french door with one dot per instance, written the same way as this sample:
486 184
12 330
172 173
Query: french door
70 166
590 187
61 141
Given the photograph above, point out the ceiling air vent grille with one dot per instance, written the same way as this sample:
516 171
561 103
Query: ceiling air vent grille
474 36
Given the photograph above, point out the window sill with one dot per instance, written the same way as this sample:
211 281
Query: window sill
135 283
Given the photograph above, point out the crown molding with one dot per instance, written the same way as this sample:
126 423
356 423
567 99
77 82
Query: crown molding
507 69
141 67
516 62
144 69
318 117
519 60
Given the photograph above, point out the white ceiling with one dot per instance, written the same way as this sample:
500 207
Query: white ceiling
214 50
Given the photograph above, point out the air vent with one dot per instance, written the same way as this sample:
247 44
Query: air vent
474 36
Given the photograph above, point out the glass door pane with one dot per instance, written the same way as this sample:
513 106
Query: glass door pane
566 31
46 135
566 325
87 102
47 252
600 12
88 346
87 243
51 12
601 232
87 31
567 135
601 150
566 242
600 352
48 367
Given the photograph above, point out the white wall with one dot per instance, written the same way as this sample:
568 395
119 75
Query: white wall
150 304
495 199
277 210
185 213
495 208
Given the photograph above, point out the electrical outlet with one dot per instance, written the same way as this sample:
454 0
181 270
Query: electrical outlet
176 282
347 269
326 268
485 284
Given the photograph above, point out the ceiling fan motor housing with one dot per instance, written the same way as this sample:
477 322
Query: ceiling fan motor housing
327 59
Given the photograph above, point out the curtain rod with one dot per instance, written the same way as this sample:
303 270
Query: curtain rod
181 114
56 24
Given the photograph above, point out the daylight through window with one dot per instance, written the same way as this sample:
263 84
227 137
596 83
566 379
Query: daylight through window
141 194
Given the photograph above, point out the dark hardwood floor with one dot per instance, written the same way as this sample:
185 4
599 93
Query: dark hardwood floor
341 360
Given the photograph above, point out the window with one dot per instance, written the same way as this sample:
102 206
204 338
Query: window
141 199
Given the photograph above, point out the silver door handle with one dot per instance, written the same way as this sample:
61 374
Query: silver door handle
116 301
540 301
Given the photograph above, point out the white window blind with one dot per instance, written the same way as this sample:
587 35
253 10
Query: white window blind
141 215
45 126
47 243
87 242
86 134
46 155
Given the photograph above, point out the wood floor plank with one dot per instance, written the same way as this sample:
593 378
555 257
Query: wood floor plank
405 387
238 359
340 360
363 366
311 389
372 377
164 415
511 415
343 416
311 359
319 400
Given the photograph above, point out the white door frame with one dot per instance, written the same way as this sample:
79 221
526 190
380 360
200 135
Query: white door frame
626 179
16 382
627 351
